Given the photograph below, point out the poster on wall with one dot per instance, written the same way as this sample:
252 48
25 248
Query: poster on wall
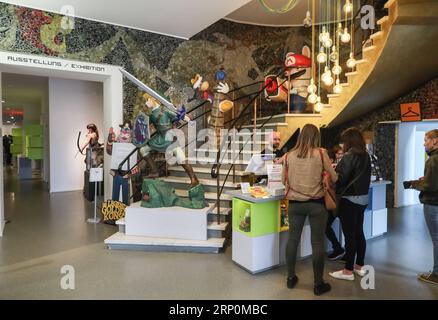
120 152
410 112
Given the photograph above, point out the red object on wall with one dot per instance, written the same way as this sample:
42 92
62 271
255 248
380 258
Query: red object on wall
410 112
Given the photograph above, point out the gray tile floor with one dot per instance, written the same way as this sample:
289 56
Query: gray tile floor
49 231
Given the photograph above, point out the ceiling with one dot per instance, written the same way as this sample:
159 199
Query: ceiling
20 89
254 13
178 18
181 18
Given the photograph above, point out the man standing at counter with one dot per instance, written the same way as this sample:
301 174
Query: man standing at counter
428 185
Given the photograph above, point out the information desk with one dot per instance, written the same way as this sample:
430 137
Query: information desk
259 243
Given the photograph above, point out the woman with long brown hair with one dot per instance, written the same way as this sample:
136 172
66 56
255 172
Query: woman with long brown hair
354 178
303 168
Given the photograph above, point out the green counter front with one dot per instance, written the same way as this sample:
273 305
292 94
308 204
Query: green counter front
256 232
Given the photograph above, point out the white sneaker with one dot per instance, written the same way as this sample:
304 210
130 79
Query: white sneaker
340 275
360 272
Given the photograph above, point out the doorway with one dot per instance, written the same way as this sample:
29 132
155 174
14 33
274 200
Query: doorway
410 159
62 71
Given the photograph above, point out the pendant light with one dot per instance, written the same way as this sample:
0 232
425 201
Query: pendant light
345 37
337 88
318 105
322 56
334 56
348 7
307 22
337 69
351 63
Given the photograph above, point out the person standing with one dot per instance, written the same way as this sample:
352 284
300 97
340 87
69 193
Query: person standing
354 179
335 155
428 187
302 176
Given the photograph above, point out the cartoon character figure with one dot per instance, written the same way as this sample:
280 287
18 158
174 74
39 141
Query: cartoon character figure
163 121
297 66
94 150
120 178
219 100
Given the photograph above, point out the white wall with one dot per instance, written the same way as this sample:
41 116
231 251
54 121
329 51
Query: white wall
72 105
411 159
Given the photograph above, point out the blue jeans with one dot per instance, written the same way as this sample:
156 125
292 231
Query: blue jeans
431 216
119 181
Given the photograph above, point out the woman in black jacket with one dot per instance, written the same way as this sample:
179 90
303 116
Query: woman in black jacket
354 172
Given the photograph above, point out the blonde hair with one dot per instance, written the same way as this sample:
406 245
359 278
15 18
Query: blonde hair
308 140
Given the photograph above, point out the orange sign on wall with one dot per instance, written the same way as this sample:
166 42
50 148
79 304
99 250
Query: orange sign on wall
410 112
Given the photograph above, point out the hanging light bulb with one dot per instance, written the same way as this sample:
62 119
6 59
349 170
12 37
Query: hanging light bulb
321 57
312 88
348 7
318 105
312 98
334 55
337 69
351 63
323 36
337 88
327 77
345 38
339 30
307 22
327 43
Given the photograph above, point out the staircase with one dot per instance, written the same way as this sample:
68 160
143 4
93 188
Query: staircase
387 69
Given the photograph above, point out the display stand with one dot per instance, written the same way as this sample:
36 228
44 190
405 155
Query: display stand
96 175
256 239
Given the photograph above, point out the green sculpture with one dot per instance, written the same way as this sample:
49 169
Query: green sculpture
158 194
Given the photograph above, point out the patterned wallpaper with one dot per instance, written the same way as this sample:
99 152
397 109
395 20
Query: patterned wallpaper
166 64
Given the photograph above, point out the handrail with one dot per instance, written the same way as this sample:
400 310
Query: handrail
216 174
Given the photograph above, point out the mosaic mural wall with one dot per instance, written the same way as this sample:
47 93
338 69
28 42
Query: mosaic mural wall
167 64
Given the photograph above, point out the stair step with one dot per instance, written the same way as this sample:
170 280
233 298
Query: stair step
223 211
361 61
217 226
346 84
389 3
208 182
212 160
208 195
370 48
123 241
333 95
383 20
273 124
351 74
376 35
203 170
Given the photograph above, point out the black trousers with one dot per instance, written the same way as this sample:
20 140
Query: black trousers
352 216
330 234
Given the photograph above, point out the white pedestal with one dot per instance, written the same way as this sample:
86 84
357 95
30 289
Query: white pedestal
256 254
172 222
